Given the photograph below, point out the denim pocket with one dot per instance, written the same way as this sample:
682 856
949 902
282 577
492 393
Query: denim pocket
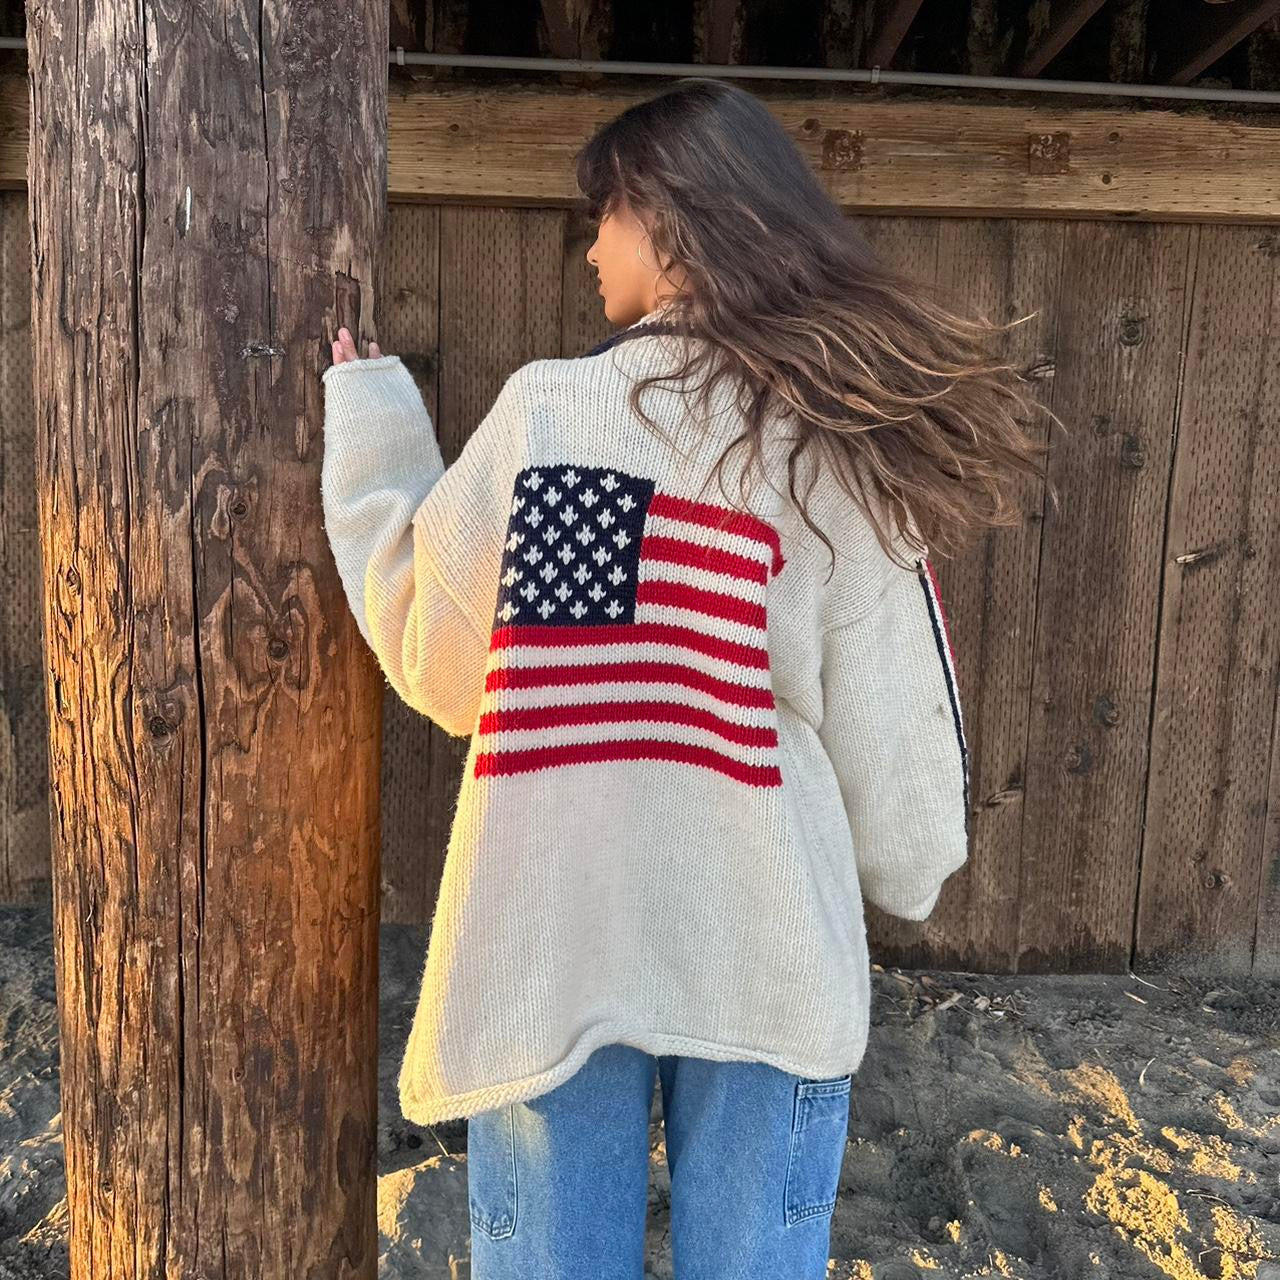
819 1131
491 1171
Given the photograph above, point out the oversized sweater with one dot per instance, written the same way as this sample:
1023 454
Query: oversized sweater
697 743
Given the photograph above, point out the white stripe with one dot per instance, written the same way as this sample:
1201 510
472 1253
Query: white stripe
627 691
613 731
527 655
708 536
691 576
705 624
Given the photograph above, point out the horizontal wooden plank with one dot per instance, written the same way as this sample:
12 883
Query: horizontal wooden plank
515 144
15 131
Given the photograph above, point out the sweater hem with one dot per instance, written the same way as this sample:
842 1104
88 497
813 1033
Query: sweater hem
461 1105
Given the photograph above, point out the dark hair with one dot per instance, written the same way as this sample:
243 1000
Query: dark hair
786 296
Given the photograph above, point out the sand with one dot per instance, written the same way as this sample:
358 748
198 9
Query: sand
1035 1127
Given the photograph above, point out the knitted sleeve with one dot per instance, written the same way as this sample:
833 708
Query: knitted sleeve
417 545
893 729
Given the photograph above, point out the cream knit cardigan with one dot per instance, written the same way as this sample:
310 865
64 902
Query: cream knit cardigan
689 880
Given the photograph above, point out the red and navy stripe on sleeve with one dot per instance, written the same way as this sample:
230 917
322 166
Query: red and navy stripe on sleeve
946 656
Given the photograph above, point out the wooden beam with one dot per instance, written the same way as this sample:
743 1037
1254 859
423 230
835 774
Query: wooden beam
1066 17
1190 40
562 37
406 17
893 22
515 144
721 26
213 711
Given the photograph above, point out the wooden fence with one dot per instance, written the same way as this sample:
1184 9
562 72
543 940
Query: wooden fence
1117 658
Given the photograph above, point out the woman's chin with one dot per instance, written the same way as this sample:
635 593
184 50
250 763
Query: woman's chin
620 316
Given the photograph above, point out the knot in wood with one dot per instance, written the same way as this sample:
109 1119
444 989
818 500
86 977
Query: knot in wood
1131 330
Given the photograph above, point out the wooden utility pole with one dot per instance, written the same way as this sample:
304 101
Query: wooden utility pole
207 191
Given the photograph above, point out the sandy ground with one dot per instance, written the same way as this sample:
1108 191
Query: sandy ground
1032 1127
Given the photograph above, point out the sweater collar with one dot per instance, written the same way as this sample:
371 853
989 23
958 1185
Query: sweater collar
649 317
652 322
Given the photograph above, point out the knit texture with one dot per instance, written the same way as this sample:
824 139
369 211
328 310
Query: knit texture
697 740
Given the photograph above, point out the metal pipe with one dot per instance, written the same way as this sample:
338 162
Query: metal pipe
872 75
846 75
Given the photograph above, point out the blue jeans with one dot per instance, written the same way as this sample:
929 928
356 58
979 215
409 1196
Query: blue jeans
558 1185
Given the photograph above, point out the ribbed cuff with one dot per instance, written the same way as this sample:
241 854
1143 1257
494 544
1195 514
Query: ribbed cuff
376 404
359 390
336 371
378 432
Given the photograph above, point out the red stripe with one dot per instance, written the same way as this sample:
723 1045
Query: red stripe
713 559
713 603
746 735
937 596
493 763
641 672
557 637
742 523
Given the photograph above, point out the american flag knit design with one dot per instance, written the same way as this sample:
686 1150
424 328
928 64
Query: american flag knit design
630 625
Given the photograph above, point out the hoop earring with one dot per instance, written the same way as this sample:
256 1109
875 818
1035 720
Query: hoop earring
641 256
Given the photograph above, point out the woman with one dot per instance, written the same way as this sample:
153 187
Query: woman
706 720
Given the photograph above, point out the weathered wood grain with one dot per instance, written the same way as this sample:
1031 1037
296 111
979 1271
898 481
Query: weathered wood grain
514 144
24 730
1117 365
207 192
1210 878
416 814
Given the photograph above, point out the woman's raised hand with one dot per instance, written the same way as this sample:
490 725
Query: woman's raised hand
344 348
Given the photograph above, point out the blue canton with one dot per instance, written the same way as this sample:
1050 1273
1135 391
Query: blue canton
573 547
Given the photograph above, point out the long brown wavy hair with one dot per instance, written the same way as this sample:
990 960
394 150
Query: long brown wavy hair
892 387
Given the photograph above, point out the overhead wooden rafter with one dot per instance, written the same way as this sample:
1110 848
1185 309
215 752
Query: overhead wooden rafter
1194 34
1066 17
894 21
721 17
577 29
562 37
1187 36
1174 43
